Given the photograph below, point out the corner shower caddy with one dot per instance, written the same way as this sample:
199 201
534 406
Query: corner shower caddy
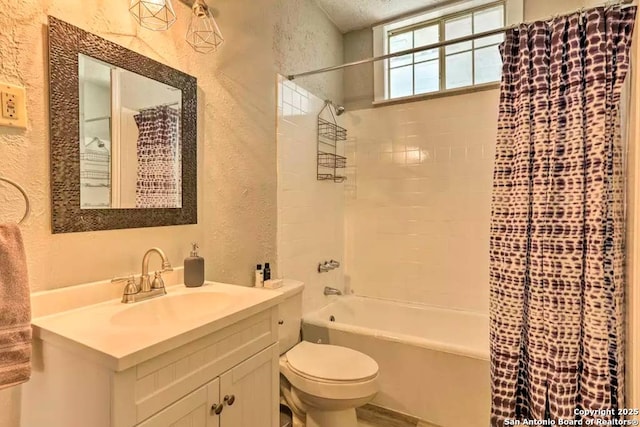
329 134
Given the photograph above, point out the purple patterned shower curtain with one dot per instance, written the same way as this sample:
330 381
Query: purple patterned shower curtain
557 230
159 183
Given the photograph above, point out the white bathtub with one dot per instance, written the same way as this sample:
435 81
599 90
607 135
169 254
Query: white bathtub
434 362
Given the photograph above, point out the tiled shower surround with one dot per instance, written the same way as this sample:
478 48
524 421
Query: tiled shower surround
418 203
413 217
310 212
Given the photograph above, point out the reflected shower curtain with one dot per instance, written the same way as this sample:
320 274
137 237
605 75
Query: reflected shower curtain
159 183
557 229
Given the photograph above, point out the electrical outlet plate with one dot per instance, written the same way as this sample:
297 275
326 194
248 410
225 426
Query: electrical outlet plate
13 110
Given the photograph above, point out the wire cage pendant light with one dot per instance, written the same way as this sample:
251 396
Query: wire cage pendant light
203 34
157 15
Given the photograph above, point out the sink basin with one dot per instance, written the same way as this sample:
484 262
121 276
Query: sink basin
120 336
172 308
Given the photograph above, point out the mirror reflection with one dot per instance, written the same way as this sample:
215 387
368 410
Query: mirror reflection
130 139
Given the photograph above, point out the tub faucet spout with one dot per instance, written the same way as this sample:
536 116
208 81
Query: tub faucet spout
332 291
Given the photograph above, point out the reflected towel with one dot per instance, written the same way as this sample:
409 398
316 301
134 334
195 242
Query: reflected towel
15 309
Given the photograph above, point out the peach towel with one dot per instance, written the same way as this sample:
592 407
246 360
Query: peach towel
15 309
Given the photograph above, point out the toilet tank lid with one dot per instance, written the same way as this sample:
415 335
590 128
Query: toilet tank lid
330 362
290 288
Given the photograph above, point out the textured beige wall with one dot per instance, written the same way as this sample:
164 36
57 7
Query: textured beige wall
236 147
358 80
61 260
237 174
305 40
543 9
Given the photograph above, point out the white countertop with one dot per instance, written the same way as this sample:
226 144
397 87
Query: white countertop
111 333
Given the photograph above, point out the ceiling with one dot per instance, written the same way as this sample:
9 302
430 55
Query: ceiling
349 15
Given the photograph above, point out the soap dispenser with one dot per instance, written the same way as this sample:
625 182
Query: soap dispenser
194 269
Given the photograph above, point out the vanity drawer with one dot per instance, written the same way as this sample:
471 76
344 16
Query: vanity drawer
157 383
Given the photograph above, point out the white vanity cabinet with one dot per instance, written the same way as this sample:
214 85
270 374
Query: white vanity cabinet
241 397
180 387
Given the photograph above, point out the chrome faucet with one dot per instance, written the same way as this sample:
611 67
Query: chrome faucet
332 291
145 283
147 289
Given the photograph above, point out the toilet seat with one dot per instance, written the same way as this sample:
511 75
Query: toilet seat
329 371
324 362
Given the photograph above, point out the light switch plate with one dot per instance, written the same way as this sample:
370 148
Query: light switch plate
13 109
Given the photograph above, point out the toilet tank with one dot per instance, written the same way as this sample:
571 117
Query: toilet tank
290 315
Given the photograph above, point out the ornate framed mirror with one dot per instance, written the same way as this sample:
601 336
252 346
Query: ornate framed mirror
123 136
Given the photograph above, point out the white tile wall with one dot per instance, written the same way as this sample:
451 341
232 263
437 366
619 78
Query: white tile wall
417 218
310 212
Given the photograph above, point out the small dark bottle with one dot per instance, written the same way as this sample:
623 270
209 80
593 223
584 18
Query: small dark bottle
267 271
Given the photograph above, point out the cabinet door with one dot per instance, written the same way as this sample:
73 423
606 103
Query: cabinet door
193 410
251 392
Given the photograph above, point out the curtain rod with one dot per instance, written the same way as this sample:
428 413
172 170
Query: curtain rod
432 46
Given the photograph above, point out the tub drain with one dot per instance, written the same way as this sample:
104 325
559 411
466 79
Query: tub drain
332 318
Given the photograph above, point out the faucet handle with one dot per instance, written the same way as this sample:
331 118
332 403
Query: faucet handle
130 289
323 268
158 283
131 282
334 264
122 279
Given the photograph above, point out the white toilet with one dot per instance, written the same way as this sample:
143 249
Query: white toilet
322 384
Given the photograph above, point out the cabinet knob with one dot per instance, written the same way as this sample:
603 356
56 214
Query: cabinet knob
280 322
229 399
216 409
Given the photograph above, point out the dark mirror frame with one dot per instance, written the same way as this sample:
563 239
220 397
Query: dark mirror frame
65 43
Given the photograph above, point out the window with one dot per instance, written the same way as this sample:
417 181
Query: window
459 65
